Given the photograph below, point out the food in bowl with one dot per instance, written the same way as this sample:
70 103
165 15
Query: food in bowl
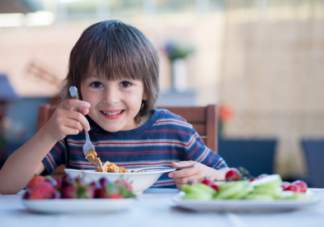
140 181
107 167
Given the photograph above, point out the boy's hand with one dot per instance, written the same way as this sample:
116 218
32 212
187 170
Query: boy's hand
198 172
68 119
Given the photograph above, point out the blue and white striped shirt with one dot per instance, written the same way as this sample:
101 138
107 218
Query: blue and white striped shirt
163 139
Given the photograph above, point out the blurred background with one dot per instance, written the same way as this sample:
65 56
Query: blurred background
260 61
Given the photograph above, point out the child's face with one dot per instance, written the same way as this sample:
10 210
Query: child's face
114 103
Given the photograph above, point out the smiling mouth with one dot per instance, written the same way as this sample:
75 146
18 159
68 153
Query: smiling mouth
112 114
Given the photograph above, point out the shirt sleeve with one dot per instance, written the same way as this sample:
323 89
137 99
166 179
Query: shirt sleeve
55 157
199 152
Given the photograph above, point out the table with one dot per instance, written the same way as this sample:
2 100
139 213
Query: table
155 208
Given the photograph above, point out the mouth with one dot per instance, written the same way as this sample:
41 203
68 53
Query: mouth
112 114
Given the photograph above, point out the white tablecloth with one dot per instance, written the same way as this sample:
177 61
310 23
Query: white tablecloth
155 208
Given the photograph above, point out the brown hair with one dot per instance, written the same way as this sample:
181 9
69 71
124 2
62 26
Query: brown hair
115 50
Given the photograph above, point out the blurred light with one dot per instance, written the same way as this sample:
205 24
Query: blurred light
39 18
11 19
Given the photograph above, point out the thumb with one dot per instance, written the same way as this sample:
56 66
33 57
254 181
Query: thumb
183 163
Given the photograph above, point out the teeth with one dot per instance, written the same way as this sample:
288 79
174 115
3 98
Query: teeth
112 113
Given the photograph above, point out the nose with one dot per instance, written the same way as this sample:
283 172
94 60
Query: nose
111 96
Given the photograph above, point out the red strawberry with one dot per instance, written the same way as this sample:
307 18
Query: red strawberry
96 187
124 183
27 194
43 190
69 192
103 181
34 181
66 181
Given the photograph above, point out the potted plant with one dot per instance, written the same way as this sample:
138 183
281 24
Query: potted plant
177 53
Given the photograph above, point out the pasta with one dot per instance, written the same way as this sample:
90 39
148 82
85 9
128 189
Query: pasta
107 167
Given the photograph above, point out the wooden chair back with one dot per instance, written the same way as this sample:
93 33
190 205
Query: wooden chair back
203 119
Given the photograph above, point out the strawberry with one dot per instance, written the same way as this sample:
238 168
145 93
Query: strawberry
27 193
103 181
120 187
96 187
43 190
69 192
66 181
78 191
34 181
124 183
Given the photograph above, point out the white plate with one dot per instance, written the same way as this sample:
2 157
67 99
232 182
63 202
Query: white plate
77 205
140 181
242 205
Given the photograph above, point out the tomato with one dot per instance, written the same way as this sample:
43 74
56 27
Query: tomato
302 184
285 185
208 182
215 187
294 188
232 175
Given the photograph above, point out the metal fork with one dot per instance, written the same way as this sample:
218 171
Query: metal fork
88 146
164 167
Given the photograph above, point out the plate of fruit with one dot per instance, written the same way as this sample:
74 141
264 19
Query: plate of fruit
242 193
73 195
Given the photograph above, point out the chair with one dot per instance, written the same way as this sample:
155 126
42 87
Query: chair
255 155
203 119
314 153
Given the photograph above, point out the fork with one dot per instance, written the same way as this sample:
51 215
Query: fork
164 167
89 150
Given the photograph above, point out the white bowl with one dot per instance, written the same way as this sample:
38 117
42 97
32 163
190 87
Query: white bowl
140 181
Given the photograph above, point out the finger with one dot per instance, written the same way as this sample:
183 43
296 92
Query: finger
184 172
183 163
75 103
84 111
185 180
80 118
71 123
179 186
71 131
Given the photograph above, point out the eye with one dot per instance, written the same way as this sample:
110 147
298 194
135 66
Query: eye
125 84
96 84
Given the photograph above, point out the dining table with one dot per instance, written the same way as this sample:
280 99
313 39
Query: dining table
157 208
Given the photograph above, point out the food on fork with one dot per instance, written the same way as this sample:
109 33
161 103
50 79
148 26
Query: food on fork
107 167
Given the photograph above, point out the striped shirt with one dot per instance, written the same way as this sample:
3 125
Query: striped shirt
163 139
